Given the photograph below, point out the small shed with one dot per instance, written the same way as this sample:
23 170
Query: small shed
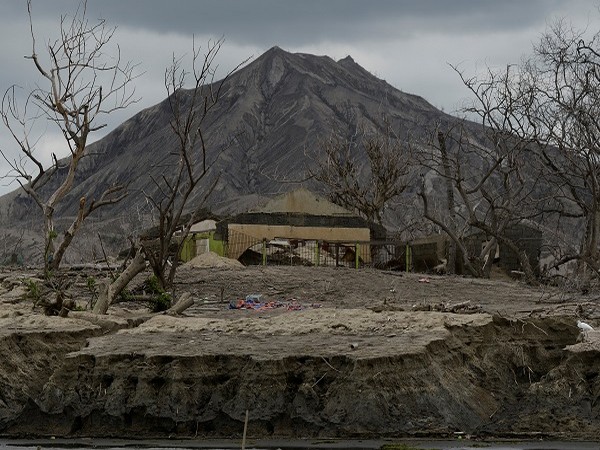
528 238
201 239
428 252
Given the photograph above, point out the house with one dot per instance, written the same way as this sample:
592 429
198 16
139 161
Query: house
298 227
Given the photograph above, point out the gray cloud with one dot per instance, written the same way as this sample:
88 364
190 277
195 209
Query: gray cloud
406 42
301 22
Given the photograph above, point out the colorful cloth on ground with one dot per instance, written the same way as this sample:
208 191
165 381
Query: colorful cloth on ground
250 302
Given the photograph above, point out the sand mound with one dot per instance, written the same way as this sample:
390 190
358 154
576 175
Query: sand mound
211 259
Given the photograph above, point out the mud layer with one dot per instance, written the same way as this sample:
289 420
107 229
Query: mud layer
355 365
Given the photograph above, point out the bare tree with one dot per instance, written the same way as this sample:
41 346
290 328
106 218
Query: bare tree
437 161
485 167
551 104
173 190
363 173
81 81
565 115
184 171
12 253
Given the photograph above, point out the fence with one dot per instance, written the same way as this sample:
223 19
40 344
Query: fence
425 255
300 252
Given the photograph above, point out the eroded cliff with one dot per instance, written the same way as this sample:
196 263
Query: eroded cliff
318 372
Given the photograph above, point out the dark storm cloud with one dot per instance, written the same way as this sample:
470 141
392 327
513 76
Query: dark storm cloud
392 38
300 22
351 18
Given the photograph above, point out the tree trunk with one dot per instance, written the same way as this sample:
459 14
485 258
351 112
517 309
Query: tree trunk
108 292
68 236
184 302
467 263
530 277
451 265
488 254
102 304
49 236
589 245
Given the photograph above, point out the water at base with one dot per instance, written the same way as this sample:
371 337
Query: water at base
312 444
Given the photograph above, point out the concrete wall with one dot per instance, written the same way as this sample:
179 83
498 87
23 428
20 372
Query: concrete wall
301 220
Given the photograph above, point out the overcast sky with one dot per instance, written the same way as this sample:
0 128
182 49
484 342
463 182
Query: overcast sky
409 43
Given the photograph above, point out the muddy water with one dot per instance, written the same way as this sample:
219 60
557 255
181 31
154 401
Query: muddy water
106 444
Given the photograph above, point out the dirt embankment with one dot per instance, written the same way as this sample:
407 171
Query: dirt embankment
352 362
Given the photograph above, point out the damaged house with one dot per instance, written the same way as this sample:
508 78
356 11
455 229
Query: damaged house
299 227
427 253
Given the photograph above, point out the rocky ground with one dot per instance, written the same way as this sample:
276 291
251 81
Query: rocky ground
333 352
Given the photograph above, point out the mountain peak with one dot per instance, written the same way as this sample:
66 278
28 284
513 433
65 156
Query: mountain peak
275 53
348 63
274 50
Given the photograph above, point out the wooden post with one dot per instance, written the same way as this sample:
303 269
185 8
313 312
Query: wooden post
356 256
264 252
317 253
245 430
337 255
408 258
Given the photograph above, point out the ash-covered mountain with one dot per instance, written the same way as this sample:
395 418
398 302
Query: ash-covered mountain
269 120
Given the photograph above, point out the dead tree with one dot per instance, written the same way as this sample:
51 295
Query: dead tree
81 80
183 173
13 247
189 110
566 118
487 171
435 159
363 173
552 101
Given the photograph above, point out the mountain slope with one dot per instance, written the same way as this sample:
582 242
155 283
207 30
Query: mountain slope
271 114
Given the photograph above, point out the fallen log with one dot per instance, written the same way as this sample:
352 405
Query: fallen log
184 302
